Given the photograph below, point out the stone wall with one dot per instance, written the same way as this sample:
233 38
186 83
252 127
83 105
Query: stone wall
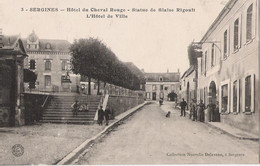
120 104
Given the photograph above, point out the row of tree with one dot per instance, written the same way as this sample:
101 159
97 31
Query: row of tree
93 59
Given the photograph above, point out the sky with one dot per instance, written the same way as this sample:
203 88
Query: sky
153 41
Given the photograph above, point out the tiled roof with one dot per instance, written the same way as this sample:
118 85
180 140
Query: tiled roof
188 72
10 41
166 77
54 45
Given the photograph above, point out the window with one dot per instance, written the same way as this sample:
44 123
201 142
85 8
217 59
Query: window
201 65
235 96
64 65
212 55
154 87
32 64
236 34
161 87
160 79
225 44
147 95
206 54
47 81
47 65
248 96
63 78
224 98
249 16
165 88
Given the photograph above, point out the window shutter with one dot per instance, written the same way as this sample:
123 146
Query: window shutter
240 31
253 93
232 97
254 20
243 94
238 95
220 99
244 27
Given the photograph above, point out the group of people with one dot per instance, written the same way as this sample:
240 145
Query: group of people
103 114
197 111
76 107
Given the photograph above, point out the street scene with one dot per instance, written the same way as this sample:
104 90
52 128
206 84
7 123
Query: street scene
155 139
133 82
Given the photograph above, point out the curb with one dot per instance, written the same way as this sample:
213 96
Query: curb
72 156
231 135
226 132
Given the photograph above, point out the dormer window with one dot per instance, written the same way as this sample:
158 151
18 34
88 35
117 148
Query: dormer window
160 79
48 46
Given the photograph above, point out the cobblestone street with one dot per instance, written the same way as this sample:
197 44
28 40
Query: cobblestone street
148 137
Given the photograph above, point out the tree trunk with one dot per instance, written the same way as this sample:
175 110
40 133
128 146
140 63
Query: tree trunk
98 87
89 85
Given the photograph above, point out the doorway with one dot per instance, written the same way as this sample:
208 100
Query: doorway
154 95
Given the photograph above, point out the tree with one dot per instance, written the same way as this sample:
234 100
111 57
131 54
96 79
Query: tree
30 77
91 58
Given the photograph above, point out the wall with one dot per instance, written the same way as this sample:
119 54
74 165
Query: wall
192 87
120 104
236 66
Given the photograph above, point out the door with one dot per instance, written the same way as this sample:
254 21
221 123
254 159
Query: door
154 95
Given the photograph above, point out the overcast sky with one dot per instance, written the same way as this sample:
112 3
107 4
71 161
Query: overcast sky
154 42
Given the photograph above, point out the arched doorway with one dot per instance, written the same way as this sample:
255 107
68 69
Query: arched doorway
212 93
212 96
188 94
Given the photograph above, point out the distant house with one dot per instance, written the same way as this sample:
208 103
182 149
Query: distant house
12 55
50 60
160 85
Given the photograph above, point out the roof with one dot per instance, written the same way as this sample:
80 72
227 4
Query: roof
220 17
166 77
47 45
54 45
12 45
135 70
188 72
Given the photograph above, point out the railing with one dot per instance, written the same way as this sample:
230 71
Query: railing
45 101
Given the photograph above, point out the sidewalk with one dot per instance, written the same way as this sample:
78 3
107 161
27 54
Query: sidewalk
51 143
227 129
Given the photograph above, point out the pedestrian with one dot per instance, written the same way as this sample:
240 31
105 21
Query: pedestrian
107 113
211 107
216 113
183 105
193 111
75 107
201 108
100 116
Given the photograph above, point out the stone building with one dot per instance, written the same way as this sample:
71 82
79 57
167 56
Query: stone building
228 71
12 55
188 85
50 60
159 85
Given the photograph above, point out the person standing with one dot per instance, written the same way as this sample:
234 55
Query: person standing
211 108
75 107
100 116
201 108
193 111
107 113
183 105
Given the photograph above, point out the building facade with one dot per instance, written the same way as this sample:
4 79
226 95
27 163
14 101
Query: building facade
160 85
50 60
12 55
228 71
188 85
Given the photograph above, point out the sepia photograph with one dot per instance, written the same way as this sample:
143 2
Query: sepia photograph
112 82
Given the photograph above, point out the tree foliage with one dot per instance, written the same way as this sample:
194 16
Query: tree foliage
193 54
29 76
92 58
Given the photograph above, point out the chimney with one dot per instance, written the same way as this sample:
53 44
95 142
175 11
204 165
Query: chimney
142 70
167 70
1 38
178 70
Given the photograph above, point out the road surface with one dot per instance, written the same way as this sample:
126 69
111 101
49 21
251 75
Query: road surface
148 137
